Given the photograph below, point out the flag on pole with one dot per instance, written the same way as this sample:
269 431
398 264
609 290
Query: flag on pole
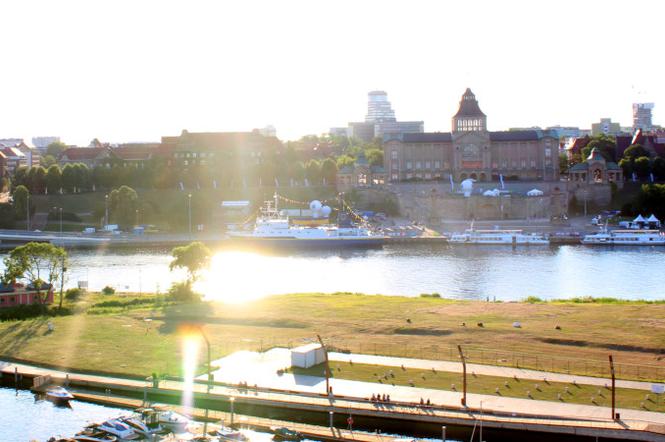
276 182
634 177
651 176
452 184
503 185
214 184
182 186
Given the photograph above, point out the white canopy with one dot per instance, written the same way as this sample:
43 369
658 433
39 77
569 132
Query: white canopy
494 192
535 192
653 219
639 219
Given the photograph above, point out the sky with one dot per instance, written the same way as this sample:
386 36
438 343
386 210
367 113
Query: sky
136 70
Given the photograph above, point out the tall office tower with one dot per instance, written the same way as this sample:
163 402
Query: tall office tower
378 108
642 116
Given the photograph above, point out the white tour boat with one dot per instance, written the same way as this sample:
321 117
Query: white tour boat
275 230
625 238
59 395
502 237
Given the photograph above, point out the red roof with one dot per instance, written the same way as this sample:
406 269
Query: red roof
82 153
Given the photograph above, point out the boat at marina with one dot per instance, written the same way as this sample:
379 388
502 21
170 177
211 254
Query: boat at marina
173 421
119 429
58 395
275 230
502 237
629 237
229 434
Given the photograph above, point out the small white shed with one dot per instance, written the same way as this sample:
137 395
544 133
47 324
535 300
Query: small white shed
307 355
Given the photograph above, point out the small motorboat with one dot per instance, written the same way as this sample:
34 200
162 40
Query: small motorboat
141 427
58 395
119 429
95 437
285 434
173 421
229 434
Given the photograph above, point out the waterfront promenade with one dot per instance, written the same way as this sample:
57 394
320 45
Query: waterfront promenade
351 398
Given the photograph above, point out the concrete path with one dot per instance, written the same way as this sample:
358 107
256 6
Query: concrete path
488 370
261 369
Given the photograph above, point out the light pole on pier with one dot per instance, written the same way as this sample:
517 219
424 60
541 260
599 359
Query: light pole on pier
461 355
189 210
106 210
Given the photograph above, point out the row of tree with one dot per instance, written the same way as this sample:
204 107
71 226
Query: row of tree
75 178
636 160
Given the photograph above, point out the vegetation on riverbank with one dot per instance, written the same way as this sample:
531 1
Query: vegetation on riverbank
491 385
138 334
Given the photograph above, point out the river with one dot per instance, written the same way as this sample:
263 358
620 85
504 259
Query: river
471 272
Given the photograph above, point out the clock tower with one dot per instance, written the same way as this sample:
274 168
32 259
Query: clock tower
471 141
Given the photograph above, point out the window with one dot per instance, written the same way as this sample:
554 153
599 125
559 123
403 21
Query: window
533 164
437 164
419 165
409 165
523 164
548 152
395 177
428 164
393 154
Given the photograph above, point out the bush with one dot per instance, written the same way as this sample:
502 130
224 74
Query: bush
21 312
73 294
182 292
533 299
108 290
430 295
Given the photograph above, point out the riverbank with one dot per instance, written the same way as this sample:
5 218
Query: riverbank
138 335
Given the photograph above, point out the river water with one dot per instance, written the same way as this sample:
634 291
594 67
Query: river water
471 272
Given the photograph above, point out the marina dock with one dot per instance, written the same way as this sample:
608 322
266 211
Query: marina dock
367 415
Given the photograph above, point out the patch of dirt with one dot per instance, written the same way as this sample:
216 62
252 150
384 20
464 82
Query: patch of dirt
422 332
619 347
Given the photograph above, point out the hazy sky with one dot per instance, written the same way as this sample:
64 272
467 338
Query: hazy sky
136 70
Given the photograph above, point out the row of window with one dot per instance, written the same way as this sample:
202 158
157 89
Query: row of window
193 154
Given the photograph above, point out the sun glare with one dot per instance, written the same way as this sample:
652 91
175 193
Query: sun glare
190 357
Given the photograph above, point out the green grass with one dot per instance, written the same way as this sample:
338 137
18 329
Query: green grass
110 333
508 387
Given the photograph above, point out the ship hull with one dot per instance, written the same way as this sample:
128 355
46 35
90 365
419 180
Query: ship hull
295 243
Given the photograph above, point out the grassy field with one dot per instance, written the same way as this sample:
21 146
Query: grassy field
507 387
139 335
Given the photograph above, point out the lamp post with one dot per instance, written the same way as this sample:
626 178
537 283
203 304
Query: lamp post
461 355
232 400
60 220
27 211
189 210
205 338
106 210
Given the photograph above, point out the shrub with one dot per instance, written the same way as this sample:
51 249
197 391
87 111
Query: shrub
108 290
533 299
430 295
73 294
182 292
21 312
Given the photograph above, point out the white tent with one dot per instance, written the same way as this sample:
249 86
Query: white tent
535 192
639 219
493 193
653 220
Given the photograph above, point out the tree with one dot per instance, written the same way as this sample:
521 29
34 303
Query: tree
313 172
658 167
123 203
47 161
38 264
55 149
605 144
642 167
329 171
374 156
564 165
68 178
651 200
7 216
627 166
21 176
345 161
53 179
37 179
635 151
193 257
20 197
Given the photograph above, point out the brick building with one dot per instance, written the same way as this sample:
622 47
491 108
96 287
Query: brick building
471 151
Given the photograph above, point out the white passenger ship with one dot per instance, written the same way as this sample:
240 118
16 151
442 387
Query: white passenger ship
272 229
625 238
505 237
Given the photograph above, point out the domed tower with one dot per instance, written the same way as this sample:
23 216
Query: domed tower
469 117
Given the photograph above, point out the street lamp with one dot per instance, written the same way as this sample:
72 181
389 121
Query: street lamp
106 210
27 211
232 400
60 221
189 210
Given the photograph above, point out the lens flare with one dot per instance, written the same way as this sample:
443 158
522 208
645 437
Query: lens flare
190 357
